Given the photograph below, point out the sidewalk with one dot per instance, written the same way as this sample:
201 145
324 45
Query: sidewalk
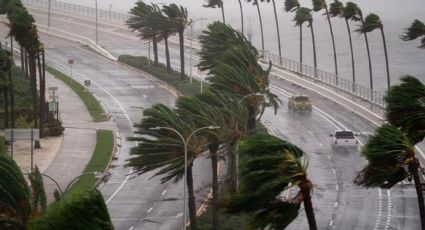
77 143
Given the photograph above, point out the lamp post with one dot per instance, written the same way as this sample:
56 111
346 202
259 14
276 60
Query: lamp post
185 143
190 41
237 145
95 2
48 18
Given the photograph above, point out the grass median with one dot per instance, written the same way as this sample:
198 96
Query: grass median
95 109
99 160
160 71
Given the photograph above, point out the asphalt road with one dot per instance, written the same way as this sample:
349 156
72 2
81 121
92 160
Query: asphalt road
141 203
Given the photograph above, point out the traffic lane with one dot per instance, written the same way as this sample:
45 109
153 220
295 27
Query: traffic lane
332 177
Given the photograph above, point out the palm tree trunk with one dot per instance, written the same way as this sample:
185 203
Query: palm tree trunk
301 48
222 12
181 41
352 55
370 62
213 148
240 7
167 54
12 94
386 58
261 26
252 122
6 102
22 59
314 49
155 50
42 96
278 32
192 204
333 41
308 205
414 170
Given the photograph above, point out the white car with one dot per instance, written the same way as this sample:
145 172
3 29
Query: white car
343 138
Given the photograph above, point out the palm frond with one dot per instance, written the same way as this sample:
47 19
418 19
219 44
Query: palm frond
291 5
336 9
302 15
371 22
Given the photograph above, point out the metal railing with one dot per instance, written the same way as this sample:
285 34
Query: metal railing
106 15
327 79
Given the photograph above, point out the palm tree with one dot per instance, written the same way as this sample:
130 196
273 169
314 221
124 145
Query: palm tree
215 108
417 29
164 150
15 204
304 15
405 108
273 166
241 9
5 67
255 3
357 15
372 22
391 159
139 21
218 38
317 6
291 5
277 29
178 20
165 31
214 4
337 9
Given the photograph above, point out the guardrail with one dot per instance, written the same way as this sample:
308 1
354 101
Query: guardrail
326 78
84 10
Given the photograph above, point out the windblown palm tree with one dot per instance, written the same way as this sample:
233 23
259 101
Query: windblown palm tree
372 22
304 15
391 157
215 108
291 5
406 108
317 6
177 16
214 4
144 19
356 15
337 9
164 149
277 29
272 167
417 29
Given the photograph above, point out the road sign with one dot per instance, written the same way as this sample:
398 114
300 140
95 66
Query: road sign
21 134
53 106
71 61
87 83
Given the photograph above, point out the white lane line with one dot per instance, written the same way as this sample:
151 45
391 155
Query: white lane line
163 192
149 210
333 171
131 228
337 187
331 223
335 204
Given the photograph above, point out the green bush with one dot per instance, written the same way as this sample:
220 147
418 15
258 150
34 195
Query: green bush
160 72
3 149
82 210
54 128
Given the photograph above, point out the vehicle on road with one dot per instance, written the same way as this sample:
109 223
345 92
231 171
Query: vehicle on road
299 103
343 138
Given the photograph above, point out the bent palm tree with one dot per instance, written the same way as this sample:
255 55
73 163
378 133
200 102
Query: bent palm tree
304 15
406 108
372 22
214 4
177 16
317 6
273 166
255 3
417 29
164 149
391 159
277 29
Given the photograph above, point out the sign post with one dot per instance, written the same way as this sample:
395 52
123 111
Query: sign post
71 62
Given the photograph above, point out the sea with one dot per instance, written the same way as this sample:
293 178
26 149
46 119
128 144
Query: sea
405 58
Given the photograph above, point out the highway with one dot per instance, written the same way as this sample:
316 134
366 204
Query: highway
143 203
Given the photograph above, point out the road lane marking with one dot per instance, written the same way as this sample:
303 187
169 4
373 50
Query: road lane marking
149 210
163 192
131 228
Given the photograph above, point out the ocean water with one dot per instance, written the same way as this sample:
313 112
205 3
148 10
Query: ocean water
404 57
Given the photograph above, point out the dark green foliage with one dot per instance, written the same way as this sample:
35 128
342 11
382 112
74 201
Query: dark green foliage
318 5
54 128
291 5
336 9
39 201
303 15
417 29
406 108
352 12
77 211
389 151
15 205
3 147
214 4
371 22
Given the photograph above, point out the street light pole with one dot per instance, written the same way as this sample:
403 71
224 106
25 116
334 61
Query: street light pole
185 143
48 20
95 1
190 44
